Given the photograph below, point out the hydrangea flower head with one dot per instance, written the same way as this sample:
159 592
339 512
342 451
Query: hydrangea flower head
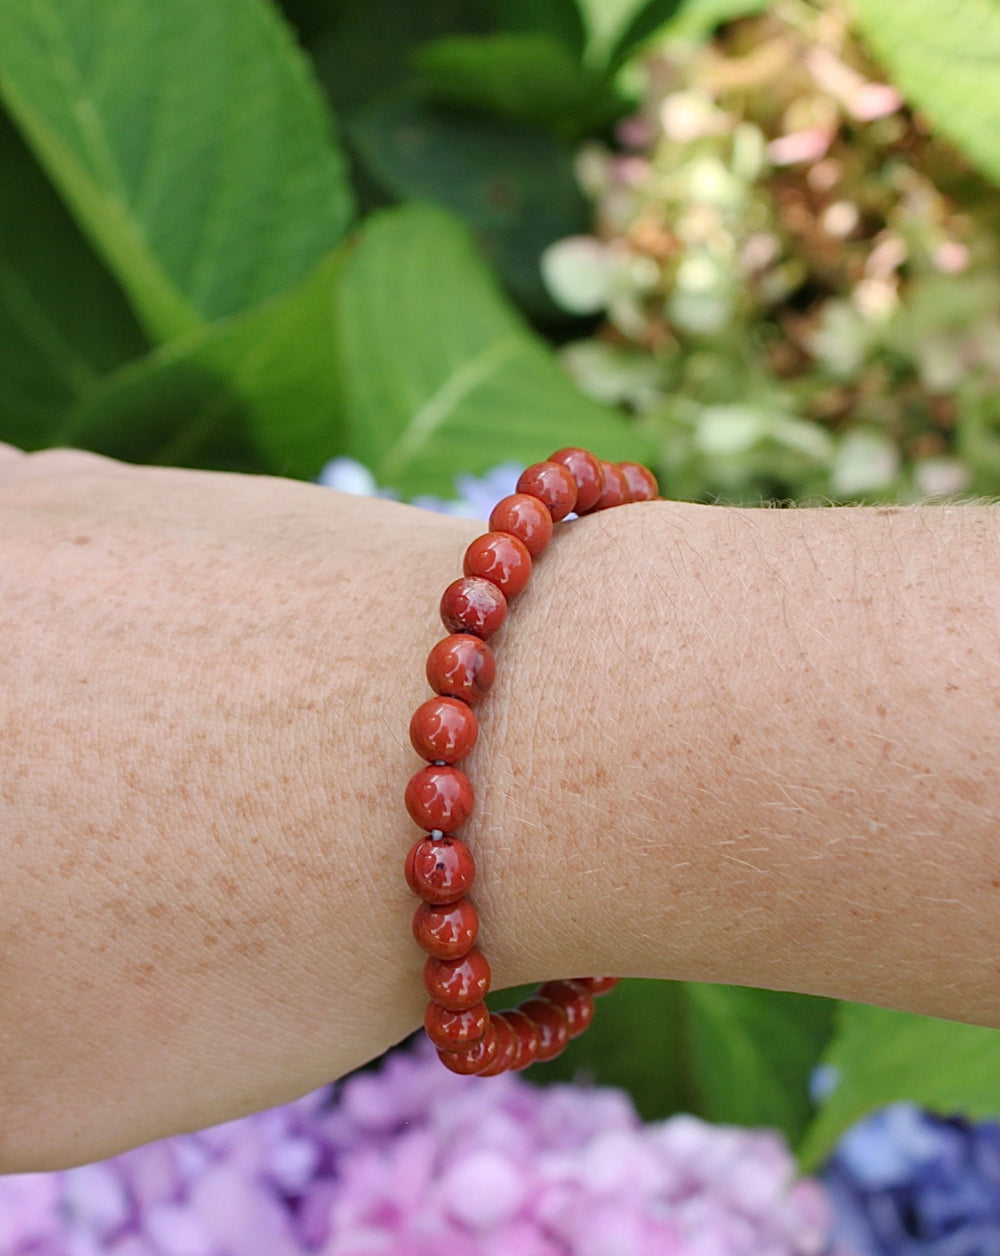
906 1183
411 1160
475 496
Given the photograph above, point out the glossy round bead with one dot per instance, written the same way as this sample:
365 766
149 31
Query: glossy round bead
587 473
440 870
461 666
472 604
443 728
553 1027
526 1032
472 1059
642 485
552 484
598 985
439 797
525 517
500 558
615 491
446 932
575 1000
457 983
507 1047
451 1031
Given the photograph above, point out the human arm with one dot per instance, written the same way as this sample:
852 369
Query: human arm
714 736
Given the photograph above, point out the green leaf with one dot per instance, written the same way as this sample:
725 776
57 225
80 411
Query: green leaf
883 1056
616 27
440 374
606 22
63 323
260 391
513 184
696 19
944 56
726 1054
524 76
752 1053
189 141
636 1043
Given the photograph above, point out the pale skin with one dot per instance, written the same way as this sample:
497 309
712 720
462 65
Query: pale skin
751 746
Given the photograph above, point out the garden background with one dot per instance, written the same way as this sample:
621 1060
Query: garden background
754 245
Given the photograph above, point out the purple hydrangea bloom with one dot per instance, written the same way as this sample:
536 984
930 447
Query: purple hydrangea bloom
906 1183
475 495
410 1160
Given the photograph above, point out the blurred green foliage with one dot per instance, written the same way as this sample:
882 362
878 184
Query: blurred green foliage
236 235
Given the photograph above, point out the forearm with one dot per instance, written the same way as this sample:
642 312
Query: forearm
763 749
750 746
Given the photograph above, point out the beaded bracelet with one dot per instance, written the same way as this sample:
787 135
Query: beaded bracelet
439 866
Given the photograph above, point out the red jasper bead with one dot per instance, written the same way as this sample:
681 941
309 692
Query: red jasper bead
642 485
598 985
575 1000
615 491
501 559
443 728
446 932
472 1059
451 1031
526 1033
440 870
552 484
587 473
507 1047
439 797
457 983
526 518
461 666
553 1027
472 604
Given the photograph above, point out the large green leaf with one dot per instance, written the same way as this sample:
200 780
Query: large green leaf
526 76
188 139
260 391
63 323
440 373
944 56
615 27
636 1042
725 1053
882 1056
513 184
752 1053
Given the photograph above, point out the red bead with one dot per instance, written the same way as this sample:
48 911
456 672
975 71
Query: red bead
457 983
615 491
439 797
598 985
642 485
472 604
507 1047
472 1059
461 666
575 1000
526 518
443 728
451 1031
553 1027
446 932
440 870
552 484
587 474
500 558
526 1033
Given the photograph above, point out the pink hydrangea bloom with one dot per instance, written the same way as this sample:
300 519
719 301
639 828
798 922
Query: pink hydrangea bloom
410 1160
